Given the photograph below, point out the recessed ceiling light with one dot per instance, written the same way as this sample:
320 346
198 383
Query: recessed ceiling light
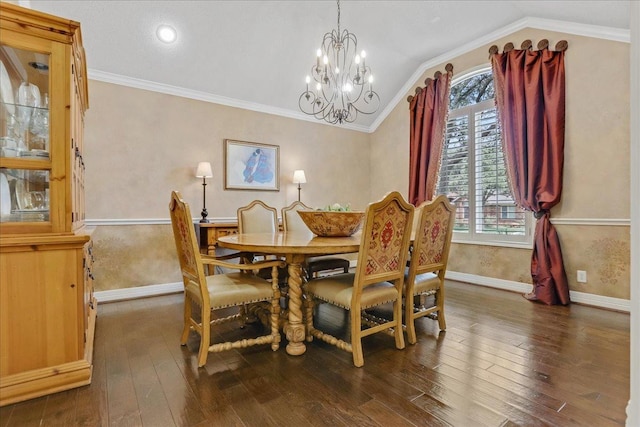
166 33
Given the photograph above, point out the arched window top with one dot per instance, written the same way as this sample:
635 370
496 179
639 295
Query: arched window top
472 170
471 90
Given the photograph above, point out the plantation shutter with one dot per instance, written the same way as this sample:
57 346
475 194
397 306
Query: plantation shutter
454 169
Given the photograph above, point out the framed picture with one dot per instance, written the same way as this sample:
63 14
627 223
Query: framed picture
251 166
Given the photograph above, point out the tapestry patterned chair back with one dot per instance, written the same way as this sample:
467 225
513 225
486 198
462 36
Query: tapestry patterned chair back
432 237
187 244
429 257
385 241
239 287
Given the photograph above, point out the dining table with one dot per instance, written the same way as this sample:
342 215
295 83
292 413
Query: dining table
295 247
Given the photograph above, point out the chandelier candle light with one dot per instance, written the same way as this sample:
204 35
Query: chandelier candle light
204 171
343 82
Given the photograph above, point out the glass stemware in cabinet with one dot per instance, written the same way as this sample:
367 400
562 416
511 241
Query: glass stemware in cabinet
24 111
40 127
28 97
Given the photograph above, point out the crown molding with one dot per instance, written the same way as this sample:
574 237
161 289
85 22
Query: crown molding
595 31
608 33
136 83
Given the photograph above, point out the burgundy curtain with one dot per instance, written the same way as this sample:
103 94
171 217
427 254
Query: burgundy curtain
428 118
530 99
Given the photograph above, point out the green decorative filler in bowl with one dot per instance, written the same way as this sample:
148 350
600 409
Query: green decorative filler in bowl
335 221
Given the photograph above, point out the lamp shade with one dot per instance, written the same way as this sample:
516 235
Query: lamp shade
298 177
204 170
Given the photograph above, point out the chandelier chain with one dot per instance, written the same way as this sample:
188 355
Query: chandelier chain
338 1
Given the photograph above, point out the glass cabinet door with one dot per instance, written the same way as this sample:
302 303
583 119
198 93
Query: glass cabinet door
25 161
25 195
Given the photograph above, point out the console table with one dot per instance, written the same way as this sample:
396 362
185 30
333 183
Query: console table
211 232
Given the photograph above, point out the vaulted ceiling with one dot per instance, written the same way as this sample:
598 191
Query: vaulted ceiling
256 54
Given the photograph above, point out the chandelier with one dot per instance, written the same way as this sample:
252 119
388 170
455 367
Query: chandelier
343 82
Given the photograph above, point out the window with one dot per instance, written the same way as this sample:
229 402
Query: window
507 212
472 171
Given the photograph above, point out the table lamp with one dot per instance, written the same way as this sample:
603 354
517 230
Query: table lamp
299 178
204 171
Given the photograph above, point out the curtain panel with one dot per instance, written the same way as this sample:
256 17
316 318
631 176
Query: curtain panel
530 98
428 117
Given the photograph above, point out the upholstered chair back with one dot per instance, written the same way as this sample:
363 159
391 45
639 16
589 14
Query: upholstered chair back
291 221
257 217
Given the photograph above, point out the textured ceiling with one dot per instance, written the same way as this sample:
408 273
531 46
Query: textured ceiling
256 54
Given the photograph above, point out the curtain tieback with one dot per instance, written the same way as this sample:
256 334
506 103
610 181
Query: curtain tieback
541 213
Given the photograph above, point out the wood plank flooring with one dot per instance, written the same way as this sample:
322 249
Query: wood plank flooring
503 361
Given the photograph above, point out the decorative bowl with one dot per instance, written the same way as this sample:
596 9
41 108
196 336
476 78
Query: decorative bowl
332 223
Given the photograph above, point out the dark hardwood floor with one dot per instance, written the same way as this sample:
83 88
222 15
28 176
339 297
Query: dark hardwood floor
503 361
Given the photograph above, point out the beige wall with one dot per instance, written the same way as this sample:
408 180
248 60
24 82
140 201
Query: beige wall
141 145
596 174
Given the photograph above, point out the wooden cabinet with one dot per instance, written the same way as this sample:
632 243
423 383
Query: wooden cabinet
47 308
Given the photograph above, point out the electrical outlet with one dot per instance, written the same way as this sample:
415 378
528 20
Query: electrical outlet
582 276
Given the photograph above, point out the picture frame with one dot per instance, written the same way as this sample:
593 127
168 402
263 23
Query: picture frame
251 166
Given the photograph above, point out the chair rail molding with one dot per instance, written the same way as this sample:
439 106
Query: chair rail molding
592 221
147 221
155 221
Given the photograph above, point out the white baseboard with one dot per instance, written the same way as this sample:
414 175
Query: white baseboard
618 304
148 291
138 292
578 297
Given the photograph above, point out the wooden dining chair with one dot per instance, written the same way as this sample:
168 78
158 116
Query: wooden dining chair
220 291
291 221
258 217
429 256
378 278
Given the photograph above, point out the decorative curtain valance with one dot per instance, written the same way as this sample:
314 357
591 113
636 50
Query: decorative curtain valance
428 117
530 98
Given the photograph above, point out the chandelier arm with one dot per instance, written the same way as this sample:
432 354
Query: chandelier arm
311 106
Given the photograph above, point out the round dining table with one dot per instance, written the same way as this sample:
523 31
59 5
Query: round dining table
295 247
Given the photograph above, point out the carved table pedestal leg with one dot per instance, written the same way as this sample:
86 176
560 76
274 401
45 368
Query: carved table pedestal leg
294 330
